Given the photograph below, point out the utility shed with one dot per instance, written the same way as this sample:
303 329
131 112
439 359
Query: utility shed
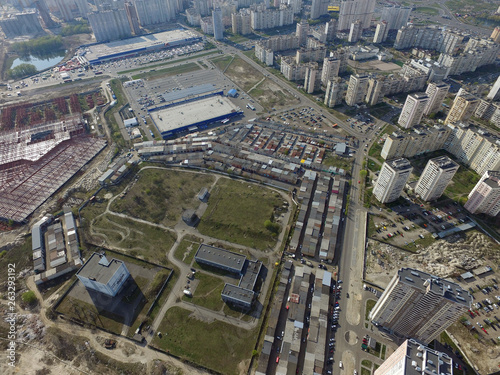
232 93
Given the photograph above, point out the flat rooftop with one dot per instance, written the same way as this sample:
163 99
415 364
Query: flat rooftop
101 50
222 257
99 272
238 293
194 112
444 288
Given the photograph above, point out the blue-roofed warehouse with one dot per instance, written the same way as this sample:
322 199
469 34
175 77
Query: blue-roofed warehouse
232 93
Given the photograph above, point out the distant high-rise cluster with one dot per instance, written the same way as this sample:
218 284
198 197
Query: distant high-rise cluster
395 16
19 24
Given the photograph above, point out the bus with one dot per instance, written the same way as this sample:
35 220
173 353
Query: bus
225 121
249 106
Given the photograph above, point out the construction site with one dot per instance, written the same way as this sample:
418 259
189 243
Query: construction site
35 161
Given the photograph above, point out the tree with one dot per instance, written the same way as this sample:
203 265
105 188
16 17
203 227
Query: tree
29 298
22 70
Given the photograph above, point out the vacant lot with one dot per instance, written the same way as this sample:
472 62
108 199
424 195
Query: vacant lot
207 292
270 96
187 249
239 71
138 239
237 212
218 346
160 196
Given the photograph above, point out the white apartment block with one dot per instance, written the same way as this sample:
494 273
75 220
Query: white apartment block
381 32
485 197
494 93
319 8
463 107
435 178
437 93
331 67
355 32
418 305
241 22
356 91
334 92
413 110
392 179
352 10
312 79
395 16
413 358
262 18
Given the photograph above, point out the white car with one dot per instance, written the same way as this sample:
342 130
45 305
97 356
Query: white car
340 364
355 372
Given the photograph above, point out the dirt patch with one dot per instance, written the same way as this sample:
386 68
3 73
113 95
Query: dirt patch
270 95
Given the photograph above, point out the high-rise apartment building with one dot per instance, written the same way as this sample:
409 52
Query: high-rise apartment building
334 92
154 12
331 67
262 18
419 305
356 91
381 32
355 32
319 8
19 24
64 8
218 26
435 178
494 93
392 179
240 22
485 197
437 93
110 25
495 35
413 110
302 31
413 358
83 8
421 37
395 16
43 9
133 18
312 79
463 107
352 10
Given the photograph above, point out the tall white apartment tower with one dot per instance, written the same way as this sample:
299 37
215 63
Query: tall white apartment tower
356 91
392 179
436 91
334 92
463 107
413 110
352 10
419 305
110 25
331 67
217 22
494 93
416 359
381 32
485 197
355 32
318 8
436 176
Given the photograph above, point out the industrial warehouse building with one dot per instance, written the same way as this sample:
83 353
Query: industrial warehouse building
243 294
191 110
98 53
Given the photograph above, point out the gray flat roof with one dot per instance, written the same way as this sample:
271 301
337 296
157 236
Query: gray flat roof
252 271
237 293
186 114
192 91
222 257
444 288
101 273
119 46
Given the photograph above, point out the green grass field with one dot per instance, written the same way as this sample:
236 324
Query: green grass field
137 239
187 249
333 160
218 346
427 10
160 196
208 292
463 182
237 212
21 256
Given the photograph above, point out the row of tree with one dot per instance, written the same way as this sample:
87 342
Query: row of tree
20 71
40 47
